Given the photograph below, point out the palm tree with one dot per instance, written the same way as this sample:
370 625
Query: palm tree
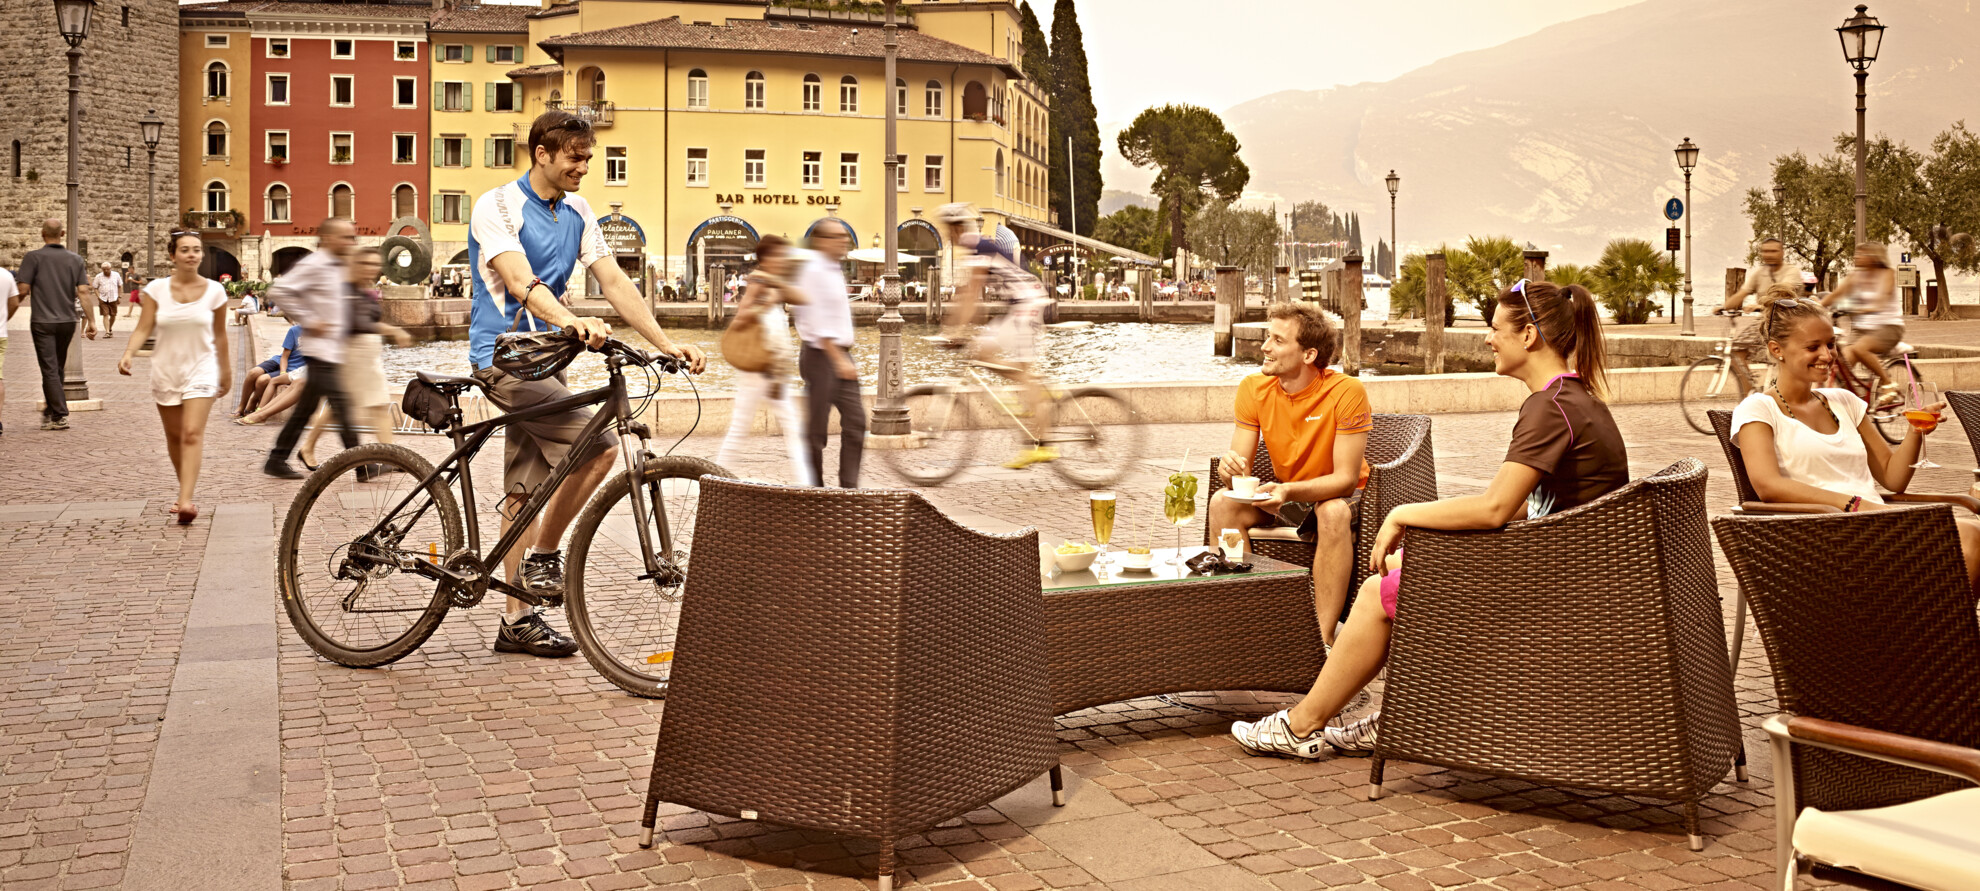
1631 270
1486 266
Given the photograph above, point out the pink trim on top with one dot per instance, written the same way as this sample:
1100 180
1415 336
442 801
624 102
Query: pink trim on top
1557 402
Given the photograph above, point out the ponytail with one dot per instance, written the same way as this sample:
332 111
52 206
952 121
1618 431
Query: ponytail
1569 323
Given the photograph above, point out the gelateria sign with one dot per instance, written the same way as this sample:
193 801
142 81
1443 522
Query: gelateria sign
622 234
774 198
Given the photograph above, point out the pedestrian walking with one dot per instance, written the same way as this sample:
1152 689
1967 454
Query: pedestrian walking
769 289
831 380
189 366
364 363
108 287
316 295
135 285
55 281
12 301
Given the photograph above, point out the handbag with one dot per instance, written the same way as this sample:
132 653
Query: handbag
743 343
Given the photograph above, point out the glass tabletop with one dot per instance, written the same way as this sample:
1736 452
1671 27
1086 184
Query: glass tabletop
1159 570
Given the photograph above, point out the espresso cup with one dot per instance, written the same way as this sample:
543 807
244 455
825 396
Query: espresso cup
1244 486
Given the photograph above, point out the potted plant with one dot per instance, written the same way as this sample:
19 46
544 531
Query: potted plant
278 160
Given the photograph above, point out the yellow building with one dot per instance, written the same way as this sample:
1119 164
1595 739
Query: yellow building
216 153
721 122
479 120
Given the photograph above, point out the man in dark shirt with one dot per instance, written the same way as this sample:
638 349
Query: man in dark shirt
54 279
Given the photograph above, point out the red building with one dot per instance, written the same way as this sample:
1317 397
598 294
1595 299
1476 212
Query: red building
339 99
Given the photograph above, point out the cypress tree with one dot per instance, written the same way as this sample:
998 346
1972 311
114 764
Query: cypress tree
1037 64
1073 115
1354 232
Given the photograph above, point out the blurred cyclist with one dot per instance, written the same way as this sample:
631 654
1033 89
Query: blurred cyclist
991 272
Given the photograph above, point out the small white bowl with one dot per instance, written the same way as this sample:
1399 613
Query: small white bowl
1137 561
1075 562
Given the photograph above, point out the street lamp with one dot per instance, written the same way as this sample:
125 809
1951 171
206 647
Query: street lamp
152 128
1393 181
1687 156
1861 36
1780 208
72 19
890 413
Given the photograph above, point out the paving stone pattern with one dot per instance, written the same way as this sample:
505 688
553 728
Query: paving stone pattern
457 768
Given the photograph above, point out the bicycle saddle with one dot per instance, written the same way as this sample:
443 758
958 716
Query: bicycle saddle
448 382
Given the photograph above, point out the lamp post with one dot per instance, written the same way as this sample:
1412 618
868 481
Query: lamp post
152 128
1687 156
1861 36
1780 208
890 417
1394 251
72 19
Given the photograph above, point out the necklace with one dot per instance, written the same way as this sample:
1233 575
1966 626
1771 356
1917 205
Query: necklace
1789 407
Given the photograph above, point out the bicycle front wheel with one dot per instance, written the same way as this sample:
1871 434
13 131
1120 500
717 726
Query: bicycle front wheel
623 617
1708 385
1096 437
942 441
343 543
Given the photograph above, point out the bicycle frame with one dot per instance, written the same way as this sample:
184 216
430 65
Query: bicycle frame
468 441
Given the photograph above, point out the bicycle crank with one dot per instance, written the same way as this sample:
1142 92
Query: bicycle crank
467 579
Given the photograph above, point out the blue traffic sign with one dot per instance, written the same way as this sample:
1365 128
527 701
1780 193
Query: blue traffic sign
1673 210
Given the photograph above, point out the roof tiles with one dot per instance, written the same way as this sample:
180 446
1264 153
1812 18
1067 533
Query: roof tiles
770 36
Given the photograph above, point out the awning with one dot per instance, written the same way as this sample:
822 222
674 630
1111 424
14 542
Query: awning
1083 241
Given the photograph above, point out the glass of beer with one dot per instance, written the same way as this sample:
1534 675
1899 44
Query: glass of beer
1923 394
1101 505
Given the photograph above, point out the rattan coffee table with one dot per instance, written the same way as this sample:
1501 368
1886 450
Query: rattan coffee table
1127 634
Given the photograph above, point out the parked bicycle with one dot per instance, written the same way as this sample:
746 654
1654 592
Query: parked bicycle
1711 384
372 560
977 411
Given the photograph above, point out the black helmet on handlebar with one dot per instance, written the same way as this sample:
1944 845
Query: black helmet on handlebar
535 355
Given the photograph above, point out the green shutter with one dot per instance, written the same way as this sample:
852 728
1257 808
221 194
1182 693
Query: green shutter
467 152
467 52
488 152
467 96
518 50
439 95
491 52
435 218
436 151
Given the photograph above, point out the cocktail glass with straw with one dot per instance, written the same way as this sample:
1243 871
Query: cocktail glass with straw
1179 504
1923 394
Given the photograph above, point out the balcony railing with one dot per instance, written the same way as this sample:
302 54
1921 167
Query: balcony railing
213 220
597 112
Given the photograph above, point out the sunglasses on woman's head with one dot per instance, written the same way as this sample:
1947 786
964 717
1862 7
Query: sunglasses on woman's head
1532 318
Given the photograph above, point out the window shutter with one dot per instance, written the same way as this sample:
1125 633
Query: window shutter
437 149
490 88
518 50
435 218
488 151
467 96
467 52
491 52
467 153
439 95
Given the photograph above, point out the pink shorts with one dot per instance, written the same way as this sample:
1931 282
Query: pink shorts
1391 581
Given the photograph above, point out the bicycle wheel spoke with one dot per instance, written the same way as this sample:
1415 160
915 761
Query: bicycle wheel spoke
626 619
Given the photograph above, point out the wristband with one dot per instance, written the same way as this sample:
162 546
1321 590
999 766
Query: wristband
531 287
1855 502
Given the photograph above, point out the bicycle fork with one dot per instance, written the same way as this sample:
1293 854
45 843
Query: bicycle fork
632 444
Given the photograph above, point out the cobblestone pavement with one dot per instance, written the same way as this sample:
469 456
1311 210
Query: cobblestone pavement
457 768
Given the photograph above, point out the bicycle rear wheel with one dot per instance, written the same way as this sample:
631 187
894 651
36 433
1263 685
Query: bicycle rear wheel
338 571
1703 389
624 623
1890 422
1096 437
938 419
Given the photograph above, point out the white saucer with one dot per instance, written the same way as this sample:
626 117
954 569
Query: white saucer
1249 499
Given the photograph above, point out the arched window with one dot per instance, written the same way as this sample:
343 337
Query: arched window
341 200
598 87
216 80
697 93
275 208
405 201
216 196
1000 171
976 101
216 140
849 95
753 90
900 98
814 93
931 99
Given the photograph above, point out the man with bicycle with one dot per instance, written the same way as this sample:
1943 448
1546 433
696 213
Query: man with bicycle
1012 341
1773 269
525 239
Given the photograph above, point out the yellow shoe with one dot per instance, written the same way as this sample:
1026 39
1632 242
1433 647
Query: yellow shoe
1028 457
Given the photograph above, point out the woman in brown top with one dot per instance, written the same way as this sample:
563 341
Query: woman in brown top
1565 452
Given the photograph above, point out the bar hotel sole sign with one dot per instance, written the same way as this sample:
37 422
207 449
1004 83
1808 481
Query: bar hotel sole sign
772 198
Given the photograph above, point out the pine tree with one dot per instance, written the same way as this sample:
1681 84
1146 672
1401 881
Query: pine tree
1037 63
1074 116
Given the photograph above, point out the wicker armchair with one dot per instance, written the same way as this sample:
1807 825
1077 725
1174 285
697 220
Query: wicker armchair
1401 470
1869 623
853 661
1966 407
1586 648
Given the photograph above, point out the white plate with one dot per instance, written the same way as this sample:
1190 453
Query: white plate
1249 499
1128 567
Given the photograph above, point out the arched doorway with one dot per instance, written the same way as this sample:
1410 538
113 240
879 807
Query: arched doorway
627 239
460 259
919 239
976 101
724 240
284 259
219 261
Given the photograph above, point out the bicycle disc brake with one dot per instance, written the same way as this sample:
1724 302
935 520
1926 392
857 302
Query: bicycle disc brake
469 590
668 580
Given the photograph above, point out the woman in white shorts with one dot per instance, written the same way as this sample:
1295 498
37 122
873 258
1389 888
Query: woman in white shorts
189 367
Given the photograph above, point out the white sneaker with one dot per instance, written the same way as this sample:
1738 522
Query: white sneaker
1356 738
1273 735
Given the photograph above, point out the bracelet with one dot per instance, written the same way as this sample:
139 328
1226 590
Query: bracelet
531 287
1855 502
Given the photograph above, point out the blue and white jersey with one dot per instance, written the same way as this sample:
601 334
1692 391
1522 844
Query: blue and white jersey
555 236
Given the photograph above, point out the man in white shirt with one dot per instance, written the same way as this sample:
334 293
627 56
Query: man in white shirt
831 380
1772 269
316 295
109 286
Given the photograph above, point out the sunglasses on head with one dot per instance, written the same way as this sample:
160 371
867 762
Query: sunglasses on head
1532 318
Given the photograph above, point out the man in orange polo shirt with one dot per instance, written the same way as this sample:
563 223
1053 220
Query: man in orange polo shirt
1315 424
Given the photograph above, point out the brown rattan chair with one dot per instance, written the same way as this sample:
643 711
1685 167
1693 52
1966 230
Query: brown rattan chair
1401 470
1869 623
1586 648
1966 407
853 661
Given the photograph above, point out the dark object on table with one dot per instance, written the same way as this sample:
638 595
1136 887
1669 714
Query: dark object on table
1213 563
852 660
1619 680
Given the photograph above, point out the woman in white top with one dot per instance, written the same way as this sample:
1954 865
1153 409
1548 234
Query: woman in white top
1876 321
1817 446
769 289
189 367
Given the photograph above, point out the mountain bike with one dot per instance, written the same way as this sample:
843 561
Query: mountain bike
371 559
1709 384
949 421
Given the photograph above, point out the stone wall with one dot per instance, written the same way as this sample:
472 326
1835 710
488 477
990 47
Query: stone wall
127 69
